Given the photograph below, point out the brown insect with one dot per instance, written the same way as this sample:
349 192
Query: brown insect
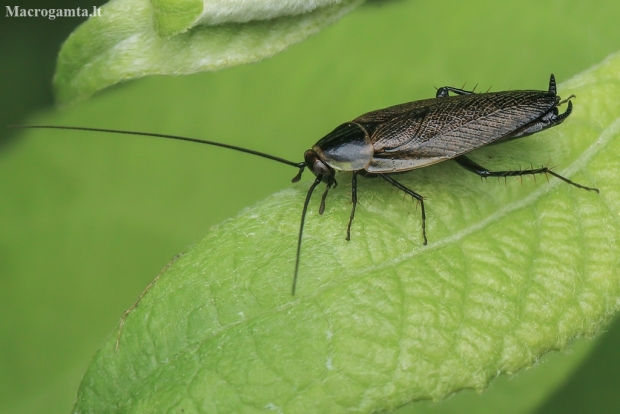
415 135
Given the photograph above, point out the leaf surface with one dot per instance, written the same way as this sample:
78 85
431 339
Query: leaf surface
511 272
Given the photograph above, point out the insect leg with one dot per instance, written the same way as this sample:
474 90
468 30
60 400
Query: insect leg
322 206
329 185
354 201
412 194
443 92
470 165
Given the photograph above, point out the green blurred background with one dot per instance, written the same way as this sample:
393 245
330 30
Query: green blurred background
87 221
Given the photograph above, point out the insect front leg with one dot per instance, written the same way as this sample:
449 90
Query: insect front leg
354 201
322 206
470 165
412 194
331 182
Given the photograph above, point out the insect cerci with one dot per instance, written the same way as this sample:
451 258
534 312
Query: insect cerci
415 135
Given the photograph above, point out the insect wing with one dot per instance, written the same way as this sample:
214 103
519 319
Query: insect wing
452 126
392 112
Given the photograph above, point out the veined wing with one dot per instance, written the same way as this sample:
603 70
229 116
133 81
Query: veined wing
391 112
449 127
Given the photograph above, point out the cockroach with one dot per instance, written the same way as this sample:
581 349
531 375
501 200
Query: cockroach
413 135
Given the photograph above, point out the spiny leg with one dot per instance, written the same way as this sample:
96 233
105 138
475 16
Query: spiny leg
354 201
470 165
137 302
412 194
444 91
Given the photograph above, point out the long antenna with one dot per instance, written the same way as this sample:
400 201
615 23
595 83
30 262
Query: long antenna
299 165
316 182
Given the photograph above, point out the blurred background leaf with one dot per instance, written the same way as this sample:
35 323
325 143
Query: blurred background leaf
88 221
126 41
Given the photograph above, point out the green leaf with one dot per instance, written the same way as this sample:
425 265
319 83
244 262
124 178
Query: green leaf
511 272
175 16
125 43
88 220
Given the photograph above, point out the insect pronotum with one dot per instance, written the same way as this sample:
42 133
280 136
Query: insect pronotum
413 135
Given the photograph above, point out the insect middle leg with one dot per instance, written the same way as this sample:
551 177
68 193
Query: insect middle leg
354 201
470 165
412 194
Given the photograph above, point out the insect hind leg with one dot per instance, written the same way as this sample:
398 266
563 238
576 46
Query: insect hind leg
444 91
470 165
412 194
